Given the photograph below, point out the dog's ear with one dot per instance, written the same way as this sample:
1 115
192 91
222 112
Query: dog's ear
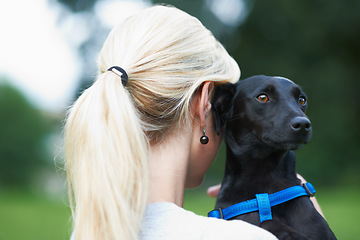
222 105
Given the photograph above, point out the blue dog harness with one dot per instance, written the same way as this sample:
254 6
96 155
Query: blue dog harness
263 203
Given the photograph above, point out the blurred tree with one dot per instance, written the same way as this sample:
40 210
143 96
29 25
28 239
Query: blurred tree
23 130
78 5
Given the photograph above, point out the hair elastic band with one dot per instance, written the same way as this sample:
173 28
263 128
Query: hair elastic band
121 73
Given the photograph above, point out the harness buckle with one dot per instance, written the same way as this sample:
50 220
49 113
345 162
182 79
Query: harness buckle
216 213
308 190
221 213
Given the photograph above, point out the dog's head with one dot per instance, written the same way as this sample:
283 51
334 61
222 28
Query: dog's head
269 109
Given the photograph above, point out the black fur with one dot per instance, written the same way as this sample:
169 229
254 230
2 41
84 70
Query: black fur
260 137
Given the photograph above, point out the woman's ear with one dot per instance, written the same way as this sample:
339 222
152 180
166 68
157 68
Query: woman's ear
205 102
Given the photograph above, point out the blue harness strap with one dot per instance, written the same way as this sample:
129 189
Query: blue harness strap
263 203
264 206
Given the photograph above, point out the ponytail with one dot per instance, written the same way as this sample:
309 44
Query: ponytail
106 162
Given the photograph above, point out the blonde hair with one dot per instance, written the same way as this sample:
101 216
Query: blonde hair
167 55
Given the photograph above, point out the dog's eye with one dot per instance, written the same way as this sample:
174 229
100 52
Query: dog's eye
302 101
263 98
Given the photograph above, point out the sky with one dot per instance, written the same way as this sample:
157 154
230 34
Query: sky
34 55
38 50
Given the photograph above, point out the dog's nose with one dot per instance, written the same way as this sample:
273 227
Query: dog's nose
300 124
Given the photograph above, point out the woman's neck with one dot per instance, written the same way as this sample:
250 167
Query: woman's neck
168 162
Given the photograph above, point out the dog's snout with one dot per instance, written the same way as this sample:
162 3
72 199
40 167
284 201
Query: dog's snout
300 124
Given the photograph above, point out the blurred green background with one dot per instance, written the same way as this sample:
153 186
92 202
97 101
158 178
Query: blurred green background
316 43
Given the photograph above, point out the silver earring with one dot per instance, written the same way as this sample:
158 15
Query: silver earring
204 139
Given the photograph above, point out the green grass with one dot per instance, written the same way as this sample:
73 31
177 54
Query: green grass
341 208
25 215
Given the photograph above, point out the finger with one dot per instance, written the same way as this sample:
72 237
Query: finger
213 191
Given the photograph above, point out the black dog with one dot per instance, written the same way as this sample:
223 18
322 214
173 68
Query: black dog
265 120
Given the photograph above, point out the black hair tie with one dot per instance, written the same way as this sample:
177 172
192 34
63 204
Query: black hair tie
121 73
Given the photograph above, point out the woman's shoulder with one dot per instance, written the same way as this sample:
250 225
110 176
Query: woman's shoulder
166 220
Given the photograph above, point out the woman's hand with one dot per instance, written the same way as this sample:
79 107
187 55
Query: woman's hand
313 199
213 191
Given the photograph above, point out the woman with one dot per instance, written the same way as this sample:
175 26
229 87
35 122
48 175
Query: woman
133 137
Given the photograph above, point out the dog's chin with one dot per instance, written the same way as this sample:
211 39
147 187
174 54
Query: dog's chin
293 146
284 145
